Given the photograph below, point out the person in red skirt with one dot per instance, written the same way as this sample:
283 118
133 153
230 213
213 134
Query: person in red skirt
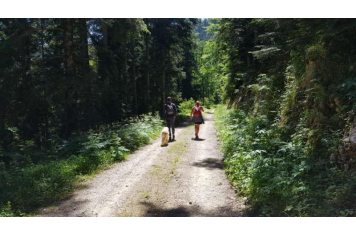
197 117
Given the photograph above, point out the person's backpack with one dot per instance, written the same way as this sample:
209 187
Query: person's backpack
197 111
170 109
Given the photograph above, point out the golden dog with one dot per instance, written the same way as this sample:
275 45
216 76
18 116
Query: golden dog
164 135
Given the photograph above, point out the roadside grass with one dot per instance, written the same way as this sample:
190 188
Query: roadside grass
33 181
278 175
167 170
176 147
160 174
145 195
157 169
174 165
177 150
127 211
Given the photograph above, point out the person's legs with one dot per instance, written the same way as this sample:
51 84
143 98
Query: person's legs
196 130
173 127
169 125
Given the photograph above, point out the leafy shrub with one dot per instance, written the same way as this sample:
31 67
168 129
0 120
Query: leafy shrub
315 52
6 211
279 176
207 103
184 109
31 184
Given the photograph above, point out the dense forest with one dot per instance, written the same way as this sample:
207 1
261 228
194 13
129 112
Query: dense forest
63 75
73 92
63 80
290 136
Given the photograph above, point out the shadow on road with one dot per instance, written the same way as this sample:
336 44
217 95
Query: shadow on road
209 163
199 139
67 205
186 211
183 124
153 210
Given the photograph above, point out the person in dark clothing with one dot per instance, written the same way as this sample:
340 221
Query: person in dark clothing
170 112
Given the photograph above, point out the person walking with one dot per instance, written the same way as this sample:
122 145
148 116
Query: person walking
170 112
197 117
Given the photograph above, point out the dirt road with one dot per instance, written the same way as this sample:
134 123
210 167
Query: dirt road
184 179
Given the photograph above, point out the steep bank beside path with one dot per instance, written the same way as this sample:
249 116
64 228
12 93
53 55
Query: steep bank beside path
184 179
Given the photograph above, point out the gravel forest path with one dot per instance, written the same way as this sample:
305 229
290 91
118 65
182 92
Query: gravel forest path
186 178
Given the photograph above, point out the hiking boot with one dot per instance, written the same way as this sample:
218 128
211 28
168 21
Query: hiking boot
174 137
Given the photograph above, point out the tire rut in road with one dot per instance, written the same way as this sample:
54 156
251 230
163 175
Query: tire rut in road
187 180
184 179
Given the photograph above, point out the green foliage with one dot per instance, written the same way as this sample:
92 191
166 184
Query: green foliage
208 83
27 185
185 107
62 81
61 76
292 83
349 89
278 177
265 169
315 53
6 211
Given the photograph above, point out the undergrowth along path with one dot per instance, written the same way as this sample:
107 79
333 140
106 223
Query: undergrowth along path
184 179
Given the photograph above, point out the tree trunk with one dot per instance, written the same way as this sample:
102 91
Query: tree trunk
84 54
104 28
68 116
32 128
147 58
46 128
125 84
135 111
163 76
2 115
68 56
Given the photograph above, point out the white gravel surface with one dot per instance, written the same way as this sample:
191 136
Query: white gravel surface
184 179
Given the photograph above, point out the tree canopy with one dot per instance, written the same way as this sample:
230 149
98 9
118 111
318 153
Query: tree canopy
288 86
63 75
